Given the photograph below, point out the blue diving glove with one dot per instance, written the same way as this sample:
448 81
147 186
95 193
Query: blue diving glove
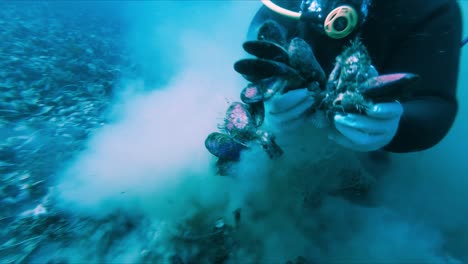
368 132
288 111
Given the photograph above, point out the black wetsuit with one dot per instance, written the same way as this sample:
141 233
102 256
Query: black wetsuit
414 36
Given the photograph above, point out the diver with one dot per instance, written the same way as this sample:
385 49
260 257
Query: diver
416 36
422 38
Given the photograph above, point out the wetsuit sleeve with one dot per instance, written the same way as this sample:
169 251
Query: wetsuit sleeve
431 50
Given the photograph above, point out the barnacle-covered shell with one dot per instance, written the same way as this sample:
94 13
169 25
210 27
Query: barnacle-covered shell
354 63
253 93
239 122
263 89
268 143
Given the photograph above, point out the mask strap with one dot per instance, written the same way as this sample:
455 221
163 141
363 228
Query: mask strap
282 11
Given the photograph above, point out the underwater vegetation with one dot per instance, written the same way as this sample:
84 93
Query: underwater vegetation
57 77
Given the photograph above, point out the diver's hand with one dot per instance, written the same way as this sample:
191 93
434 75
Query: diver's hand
368 132
288 111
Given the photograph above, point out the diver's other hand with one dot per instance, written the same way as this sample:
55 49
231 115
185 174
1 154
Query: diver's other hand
288 110
369 132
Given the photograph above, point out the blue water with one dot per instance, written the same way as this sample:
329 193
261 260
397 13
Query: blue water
112 101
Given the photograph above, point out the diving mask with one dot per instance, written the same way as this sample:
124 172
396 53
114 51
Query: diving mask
336 18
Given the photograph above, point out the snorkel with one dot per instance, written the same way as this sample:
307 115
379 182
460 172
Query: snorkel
335 18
